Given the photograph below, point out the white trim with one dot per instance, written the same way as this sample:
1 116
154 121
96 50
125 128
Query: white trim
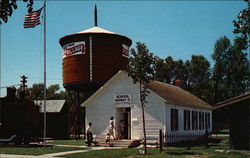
165 119
123 106
101 88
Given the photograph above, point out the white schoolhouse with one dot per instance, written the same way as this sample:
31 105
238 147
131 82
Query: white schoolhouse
168 107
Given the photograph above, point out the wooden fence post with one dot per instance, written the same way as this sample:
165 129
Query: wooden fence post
206 138
160 140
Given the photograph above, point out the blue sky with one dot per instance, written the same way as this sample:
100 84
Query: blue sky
169 28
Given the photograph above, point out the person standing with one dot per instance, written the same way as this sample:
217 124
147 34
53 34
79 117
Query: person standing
119 130
89 134
123 128
111 127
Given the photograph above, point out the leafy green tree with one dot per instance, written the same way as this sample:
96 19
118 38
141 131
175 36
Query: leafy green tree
159 69
141 69
180 71
199 77
37 89
230 73
8 6
164 69
242 29
169 69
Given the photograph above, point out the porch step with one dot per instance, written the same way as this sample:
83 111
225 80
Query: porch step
120 143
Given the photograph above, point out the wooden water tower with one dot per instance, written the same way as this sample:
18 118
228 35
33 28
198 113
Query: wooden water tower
90 58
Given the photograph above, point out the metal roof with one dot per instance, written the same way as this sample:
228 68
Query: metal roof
92 31
97 30
53 106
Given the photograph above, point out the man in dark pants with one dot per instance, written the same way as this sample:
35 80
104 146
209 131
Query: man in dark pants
89 134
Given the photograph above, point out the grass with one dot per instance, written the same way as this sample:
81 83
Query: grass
170 152
68 142
223 131
34 150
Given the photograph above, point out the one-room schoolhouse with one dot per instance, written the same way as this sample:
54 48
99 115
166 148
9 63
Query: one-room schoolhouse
168 107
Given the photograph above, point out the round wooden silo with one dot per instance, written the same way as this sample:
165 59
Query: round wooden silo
93 56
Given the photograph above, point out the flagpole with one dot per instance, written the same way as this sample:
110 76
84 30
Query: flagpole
0 61
44 67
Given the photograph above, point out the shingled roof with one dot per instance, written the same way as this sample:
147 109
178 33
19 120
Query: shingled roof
176 96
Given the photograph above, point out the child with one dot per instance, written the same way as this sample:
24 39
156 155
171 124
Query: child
107 139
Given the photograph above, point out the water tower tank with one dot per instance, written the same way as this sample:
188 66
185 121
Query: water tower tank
93 56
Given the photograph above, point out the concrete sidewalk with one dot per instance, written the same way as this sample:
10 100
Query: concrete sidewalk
20 156
78 151
57 154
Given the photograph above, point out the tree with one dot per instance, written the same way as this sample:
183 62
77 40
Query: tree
141 70
37 89
170 64
242 29
230 73
199 82
159 69
8 6
164 70
180 71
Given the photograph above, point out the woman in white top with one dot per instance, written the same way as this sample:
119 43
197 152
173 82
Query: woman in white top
111 127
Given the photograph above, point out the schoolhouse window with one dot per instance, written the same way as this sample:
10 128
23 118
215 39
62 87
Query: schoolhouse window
194 120
206 120
186 120
174 120
202 120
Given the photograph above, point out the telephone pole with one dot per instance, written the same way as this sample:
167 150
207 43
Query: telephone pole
23 85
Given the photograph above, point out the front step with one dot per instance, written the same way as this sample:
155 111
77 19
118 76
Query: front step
124 143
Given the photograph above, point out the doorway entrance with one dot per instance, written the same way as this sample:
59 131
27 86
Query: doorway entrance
123 120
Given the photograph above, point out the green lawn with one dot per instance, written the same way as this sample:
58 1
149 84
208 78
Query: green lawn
34 150
223 131
68 142
170 152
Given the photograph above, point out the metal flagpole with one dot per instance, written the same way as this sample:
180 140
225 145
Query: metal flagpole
0 60
44 93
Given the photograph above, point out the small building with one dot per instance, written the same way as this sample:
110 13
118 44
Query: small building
168 107
57 118
237 111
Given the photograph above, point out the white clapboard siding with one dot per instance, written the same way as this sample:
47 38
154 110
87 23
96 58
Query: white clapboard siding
100 107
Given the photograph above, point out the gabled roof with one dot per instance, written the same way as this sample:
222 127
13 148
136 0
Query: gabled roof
174 95
171 94
53 106
233 100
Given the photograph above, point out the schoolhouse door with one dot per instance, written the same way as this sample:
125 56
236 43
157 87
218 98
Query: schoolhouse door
123 113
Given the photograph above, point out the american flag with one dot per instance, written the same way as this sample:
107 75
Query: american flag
32 19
